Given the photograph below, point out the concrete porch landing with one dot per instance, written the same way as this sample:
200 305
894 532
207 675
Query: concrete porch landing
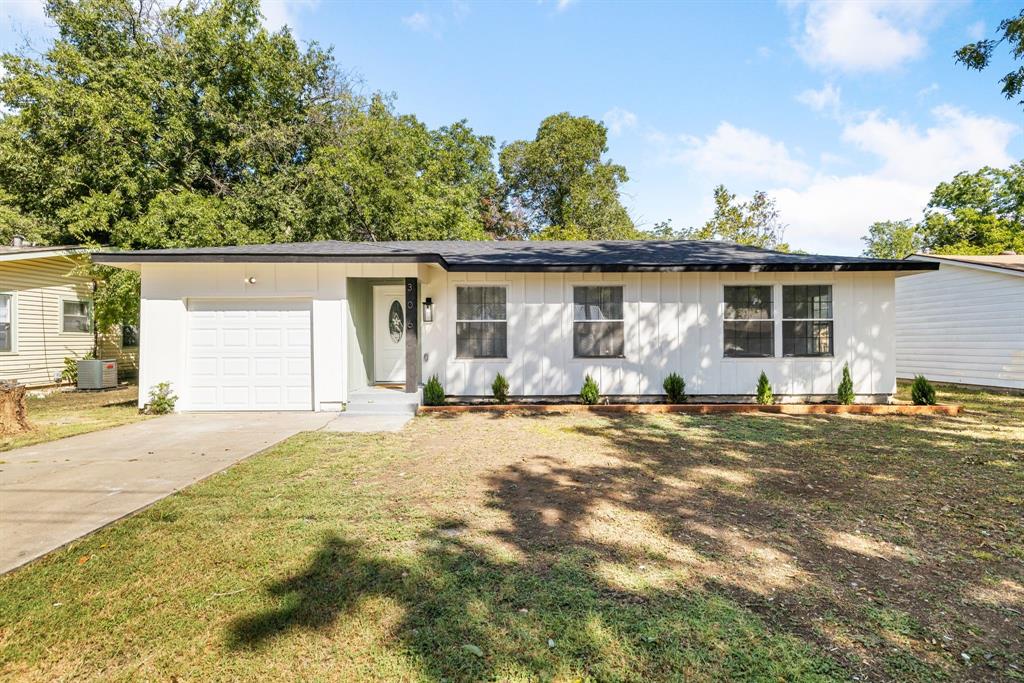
376 409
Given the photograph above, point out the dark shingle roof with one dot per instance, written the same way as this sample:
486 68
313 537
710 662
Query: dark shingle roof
645 255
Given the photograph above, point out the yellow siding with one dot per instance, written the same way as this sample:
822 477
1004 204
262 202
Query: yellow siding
40 346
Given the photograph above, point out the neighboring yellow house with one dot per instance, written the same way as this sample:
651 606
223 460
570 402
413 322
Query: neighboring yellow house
46 315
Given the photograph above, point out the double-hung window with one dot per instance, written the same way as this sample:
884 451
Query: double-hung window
597 327
807 320
749 325
76 316
481 322
6 322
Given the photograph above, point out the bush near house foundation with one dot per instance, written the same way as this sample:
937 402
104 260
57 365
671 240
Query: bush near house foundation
433 392
590 393
765 395
922 393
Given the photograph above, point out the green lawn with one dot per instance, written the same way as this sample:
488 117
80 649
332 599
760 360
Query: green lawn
66 413
561 547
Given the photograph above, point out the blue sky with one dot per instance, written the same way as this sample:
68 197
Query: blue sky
845 112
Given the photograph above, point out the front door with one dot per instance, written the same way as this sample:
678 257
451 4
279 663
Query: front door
389 334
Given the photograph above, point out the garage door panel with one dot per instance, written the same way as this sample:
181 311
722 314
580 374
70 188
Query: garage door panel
250 355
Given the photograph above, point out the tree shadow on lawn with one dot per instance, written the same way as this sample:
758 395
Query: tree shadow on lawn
747 547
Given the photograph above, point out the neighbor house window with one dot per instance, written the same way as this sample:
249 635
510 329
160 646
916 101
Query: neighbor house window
597 327
807 320
129 336
481 322
6 322
77 316
749 324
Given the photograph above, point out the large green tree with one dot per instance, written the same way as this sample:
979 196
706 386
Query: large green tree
974 213
145 125
754 223
560 184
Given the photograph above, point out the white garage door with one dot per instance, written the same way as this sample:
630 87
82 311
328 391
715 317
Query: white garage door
249 355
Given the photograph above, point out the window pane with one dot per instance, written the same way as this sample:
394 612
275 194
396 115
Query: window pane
748 303
129 336
749 339
480 303
77 316
481 340
807 338
807 301
597 303
598 340
6 317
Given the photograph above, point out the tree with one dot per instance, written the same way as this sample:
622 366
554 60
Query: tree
974 213
893 239
147 126
560 184
977 213
978 55
754 223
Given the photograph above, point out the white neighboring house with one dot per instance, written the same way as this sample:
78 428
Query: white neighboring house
963 323
302 326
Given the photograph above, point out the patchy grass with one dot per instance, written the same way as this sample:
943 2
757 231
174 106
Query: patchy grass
561 547
66 413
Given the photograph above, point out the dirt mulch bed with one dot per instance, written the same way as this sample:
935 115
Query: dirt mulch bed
702 408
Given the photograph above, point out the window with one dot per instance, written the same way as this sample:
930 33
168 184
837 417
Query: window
481 327
77 316
597 328
749 324
6 322
807 320
129 336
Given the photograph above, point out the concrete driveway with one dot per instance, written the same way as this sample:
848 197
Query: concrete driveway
55 492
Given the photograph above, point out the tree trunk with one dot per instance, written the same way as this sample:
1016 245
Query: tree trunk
13 419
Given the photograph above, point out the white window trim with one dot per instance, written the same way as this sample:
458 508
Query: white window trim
775 320
92 316
14 324
456 320
832 319
572 321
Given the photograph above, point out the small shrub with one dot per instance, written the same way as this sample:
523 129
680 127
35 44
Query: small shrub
845 392
765 395
922 393
70 372
161 399
500 389
590 393
675 388
433 392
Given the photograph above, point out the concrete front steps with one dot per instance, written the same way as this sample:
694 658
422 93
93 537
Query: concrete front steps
376 409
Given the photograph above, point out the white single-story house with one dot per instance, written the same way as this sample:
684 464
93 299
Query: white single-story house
963 323
46 315
301 326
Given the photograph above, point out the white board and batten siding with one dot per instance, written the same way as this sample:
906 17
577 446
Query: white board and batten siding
673 323
961 324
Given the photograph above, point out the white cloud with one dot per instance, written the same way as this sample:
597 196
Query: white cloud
928 90
976 31
563 5
280 13
740 153
418 21
832 212
618 120
828 98
862 35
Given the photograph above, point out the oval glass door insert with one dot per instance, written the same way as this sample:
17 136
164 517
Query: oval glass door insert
396 321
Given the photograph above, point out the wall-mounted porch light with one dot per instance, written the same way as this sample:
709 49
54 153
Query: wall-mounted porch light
250 280
428 310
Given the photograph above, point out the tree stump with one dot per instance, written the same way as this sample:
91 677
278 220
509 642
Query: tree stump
13 418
